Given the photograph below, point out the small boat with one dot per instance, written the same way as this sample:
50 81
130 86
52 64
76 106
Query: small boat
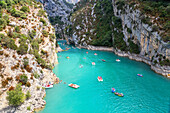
93 63
81 66
113 90
99 79
47 86
103 60
73 85
95 53
87 52
68 57
140 75
119 94
117 60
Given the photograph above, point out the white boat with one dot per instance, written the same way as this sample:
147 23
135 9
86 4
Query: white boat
93 63
73 85
47 86
117 60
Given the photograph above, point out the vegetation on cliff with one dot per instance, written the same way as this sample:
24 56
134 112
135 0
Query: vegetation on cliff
24 33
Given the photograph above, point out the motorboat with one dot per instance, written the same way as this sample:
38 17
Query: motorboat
73 85
93 63
117 60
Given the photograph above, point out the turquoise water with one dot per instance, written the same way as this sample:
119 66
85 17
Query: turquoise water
147 94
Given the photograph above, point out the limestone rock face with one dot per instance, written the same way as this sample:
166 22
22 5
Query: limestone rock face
153 49
58 8
151 44
13 64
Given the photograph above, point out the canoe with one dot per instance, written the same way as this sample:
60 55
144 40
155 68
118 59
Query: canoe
140 75
119 94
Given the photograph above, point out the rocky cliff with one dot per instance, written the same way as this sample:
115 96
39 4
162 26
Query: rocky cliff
58 12
27 49
123 26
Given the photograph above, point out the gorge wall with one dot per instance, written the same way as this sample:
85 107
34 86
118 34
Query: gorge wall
126 28
27 53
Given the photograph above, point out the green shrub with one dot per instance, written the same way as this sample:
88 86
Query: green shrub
52 37
17 13
26 62
133 48
45 33
28 95
120 4
15 97
6 17
166 25
43 21
25 9
22 48
41 62
23 79
28 108
165 62
8 42
155 28
119 42
35 53
36 75
41 13
38 88
32 33
129 30
35 44
155 62
3 24
3 4
17 29
15 35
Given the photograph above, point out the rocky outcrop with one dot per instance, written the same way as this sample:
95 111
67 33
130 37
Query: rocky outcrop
36 63
60 10
152 47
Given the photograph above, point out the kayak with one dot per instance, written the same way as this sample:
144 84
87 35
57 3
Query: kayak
119 94
99 79
73 85
103 60
140 75
113 90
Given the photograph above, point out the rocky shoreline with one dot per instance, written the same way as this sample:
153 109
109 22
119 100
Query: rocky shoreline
163 70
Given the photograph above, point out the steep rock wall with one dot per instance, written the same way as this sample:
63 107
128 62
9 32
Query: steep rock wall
131 34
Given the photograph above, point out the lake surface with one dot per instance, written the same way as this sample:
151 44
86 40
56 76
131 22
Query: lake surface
147 94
